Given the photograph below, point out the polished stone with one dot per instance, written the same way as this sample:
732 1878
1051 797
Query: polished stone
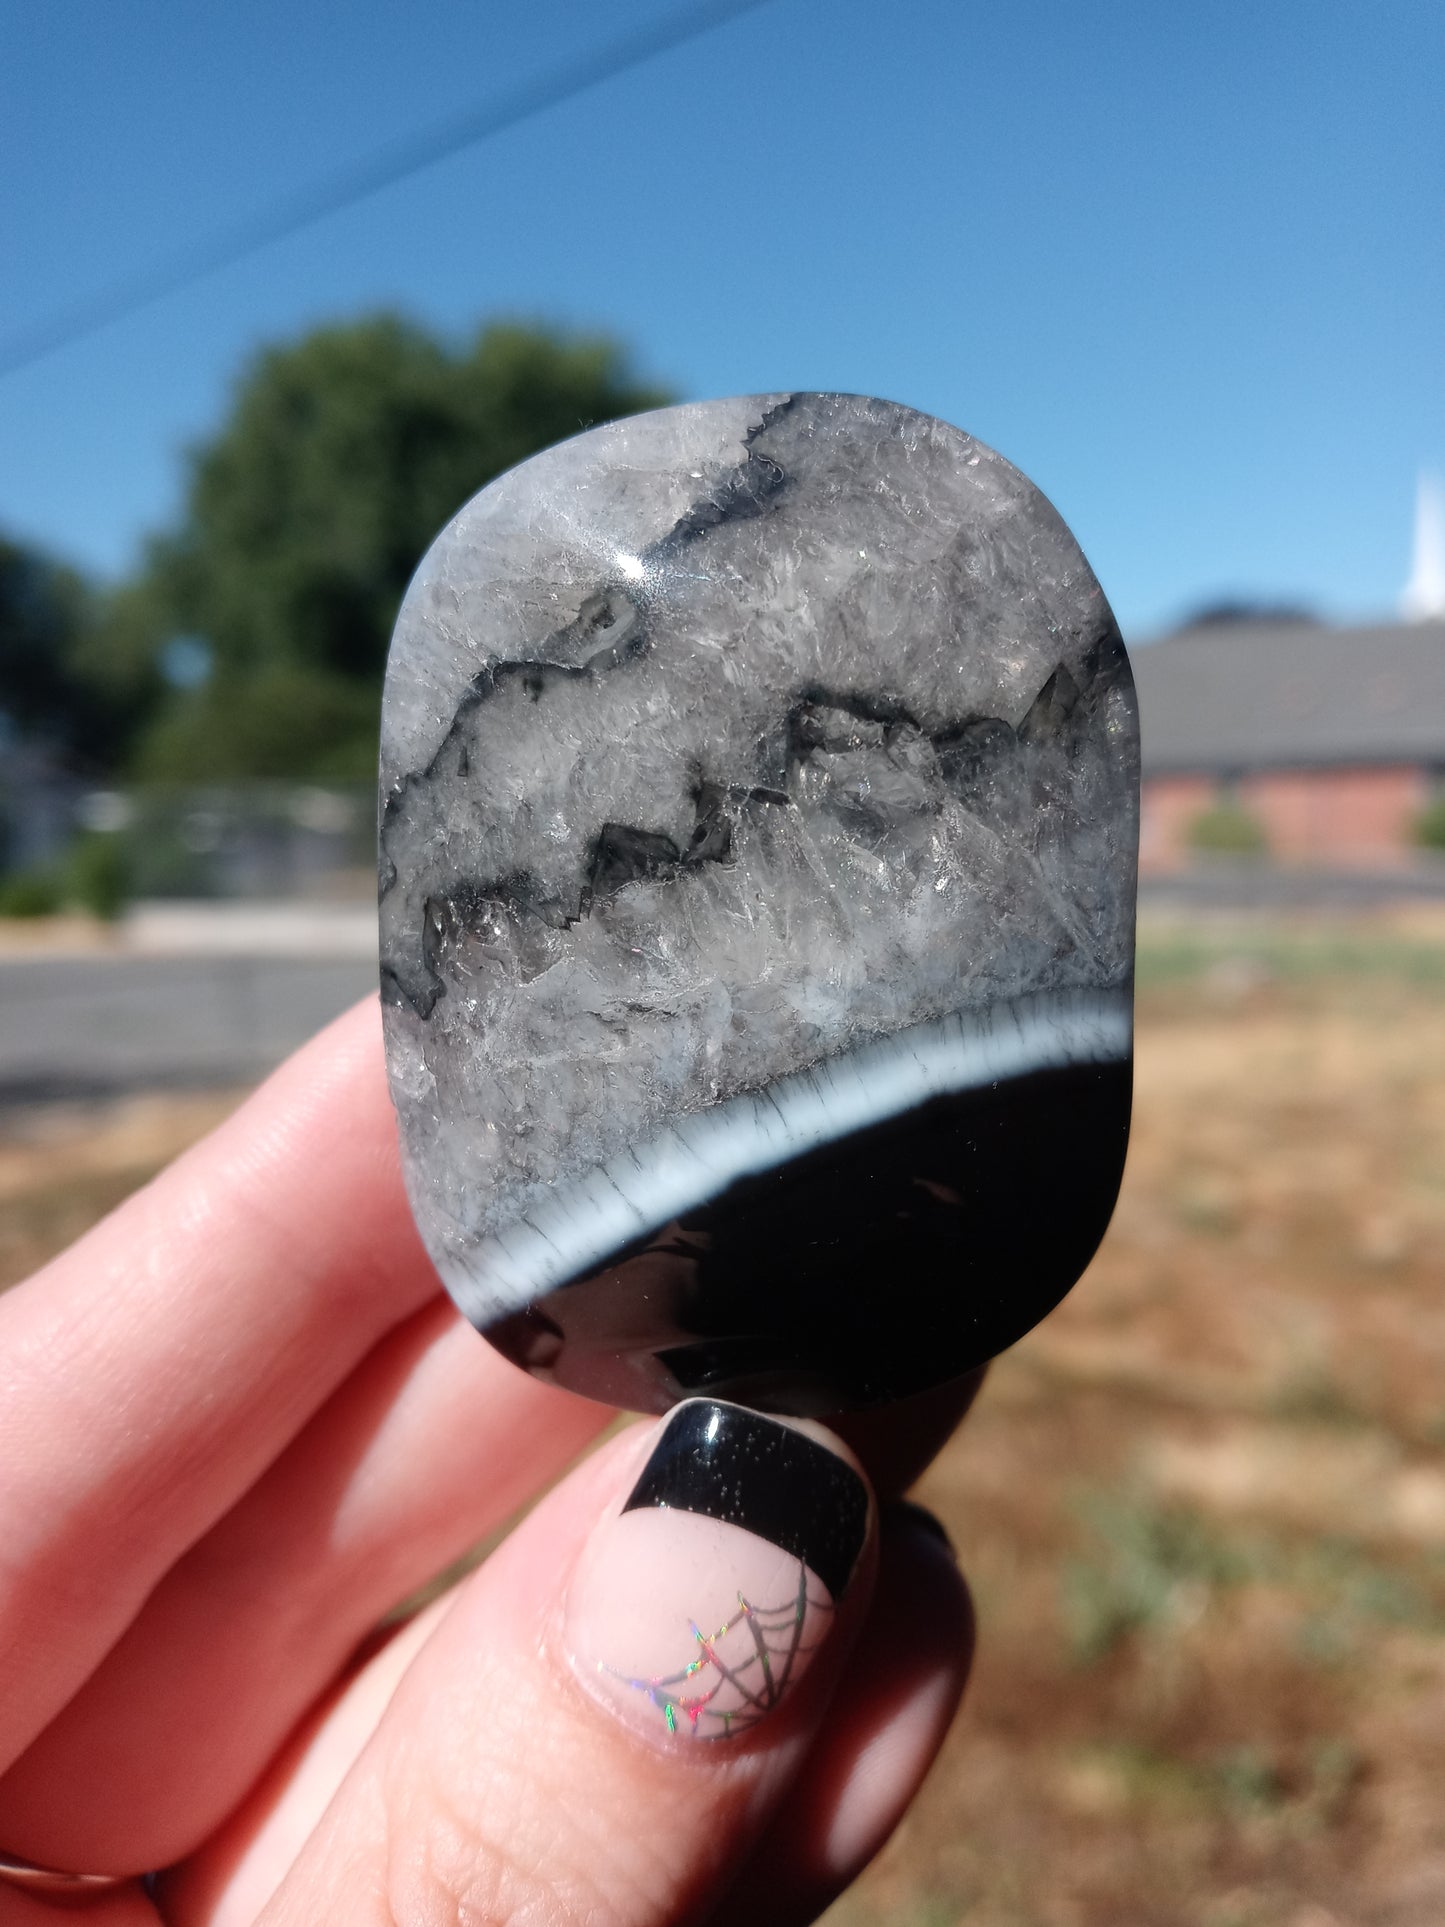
759 808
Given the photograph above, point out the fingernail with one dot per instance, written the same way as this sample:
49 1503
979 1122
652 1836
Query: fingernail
701 1602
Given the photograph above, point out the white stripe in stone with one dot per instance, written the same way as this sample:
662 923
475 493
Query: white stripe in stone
646 1185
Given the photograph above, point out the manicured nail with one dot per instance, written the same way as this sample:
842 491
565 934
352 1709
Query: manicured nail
701 1602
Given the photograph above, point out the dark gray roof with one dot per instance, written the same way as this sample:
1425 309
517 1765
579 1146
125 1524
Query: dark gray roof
1252 695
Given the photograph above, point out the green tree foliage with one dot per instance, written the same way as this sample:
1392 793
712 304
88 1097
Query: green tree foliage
276 720
1430 827
343 455
1226 828
46 692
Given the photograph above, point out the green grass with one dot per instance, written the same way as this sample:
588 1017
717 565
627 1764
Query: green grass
1243 1782
1149 1568
30 893
1225 829
1312 1397
1171 955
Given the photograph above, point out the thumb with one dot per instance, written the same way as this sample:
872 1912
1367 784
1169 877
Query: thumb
613 1711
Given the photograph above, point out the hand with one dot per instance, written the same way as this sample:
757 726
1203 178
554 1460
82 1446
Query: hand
240 1424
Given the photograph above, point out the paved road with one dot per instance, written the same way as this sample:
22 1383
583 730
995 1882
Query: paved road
82 1026
1246 886
259 980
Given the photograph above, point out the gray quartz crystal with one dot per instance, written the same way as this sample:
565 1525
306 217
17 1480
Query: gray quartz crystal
758 803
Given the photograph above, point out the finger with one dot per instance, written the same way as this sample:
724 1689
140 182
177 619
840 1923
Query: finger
604 1720
881 1735
431 1444
154 1371
128 1907
882 1732
241 1866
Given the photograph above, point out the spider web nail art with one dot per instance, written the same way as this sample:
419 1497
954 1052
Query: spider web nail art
727 1691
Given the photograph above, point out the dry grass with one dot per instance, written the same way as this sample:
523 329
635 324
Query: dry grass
1203 1507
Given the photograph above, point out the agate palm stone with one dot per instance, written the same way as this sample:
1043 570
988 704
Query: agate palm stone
759 803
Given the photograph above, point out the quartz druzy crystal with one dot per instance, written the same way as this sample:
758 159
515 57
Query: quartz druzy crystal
758 833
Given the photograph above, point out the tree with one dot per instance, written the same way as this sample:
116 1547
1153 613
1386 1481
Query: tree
1228 612
343 455
46 610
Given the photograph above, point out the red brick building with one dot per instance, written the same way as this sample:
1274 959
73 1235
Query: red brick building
1328 744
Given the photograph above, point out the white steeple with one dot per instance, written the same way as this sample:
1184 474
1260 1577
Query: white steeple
1423 597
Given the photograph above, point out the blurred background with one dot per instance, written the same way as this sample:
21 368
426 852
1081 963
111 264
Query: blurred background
285 285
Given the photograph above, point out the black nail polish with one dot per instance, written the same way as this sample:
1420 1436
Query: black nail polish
746 1470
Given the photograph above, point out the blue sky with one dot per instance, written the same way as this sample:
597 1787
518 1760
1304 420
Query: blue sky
1185 265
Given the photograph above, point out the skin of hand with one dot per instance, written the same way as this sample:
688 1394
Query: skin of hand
239 1422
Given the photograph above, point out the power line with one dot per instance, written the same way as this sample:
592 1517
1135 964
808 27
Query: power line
396 162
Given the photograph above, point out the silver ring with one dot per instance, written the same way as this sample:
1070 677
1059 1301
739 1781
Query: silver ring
50 1880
